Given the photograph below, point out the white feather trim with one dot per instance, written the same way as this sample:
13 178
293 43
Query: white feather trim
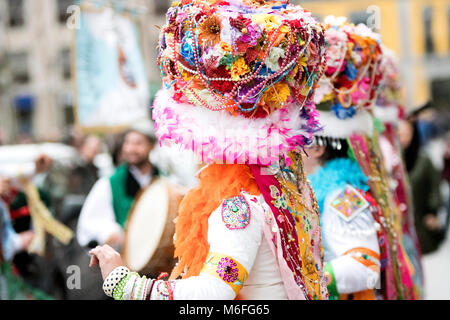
334 127
387 114
214 135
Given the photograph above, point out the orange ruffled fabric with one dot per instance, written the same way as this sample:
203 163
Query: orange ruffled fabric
217 182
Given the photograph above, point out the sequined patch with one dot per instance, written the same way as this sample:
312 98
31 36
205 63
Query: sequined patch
349 203
236 213
280 200
227 269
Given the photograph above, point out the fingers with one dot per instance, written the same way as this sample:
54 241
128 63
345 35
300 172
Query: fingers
93 262
104 255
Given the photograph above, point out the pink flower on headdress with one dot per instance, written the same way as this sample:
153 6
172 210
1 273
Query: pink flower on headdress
251 36
362 92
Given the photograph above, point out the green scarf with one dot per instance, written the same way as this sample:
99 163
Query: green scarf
122 201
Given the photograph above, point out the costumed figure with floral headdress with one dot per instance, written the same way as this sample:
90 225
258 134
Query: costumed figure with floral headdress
388 112
238 76
348 89
348 219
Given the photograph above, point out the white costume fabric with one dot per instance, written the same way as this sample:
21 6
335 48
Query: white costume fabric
247 246
340 236
97 221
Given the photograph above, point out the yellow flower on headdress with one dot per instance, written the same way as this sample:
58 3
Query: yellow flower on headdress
327 97
239 68
270 21
284 29
293 72
305 88
186 75
278 93
302 61
226 46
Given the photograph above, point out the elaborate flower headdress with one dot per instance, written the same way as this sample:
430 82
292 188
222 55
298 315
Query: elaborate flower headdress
351 78
388 106
235 75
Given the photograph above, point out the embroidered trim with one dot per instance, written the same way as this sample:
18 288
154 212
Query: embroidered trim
119 288
367 257
164 290
113 279
349 203
280 200
236 213
226 269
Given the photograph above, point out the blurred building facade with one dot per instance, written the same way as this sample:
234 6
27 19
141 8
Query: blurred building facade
417 30
36 85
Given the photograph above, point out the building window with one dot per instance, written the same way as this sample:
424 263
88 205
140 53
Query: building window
16 13
66 102
18 64
65 63
358 17
24 105
161 6
427 19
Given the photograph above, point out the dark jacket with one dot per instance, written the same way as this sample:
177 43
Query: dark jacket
425 180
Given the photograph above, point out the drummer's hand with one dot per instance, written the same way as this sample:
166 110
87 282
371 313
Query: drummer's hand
107 258
42 163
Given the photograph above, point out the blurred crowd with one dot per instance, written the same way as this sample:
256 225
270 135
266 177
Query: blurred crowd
94 193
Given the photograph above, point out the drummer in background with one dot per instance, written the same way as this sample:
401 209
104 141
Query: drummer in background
103 216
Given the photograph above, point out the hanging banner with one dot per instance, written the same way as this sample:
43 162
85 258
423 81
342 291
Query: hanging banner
111 83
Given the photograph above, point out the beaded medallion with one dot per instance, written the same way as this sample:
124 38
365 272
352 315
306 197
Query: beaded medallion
236 213
349 203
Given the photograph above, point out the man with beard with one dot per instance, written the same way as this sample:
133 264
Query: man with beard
107 206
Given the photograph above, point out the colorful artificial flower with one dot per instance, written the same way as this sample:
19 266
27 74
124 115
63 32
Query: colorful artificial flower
238 47
269 21
210 30
239 68
302 61
275 54
350 73
250 34
343 113
187 51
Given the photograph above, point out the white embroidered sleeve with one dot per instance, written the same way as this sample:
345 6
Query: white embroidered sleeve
350 242
234 235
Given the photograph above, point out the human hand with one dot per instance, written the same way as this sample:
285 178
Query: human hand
27 238
107 258
43 163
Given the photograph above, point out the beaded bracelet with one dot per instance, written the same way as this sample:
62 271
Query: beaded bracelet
119 289
149 293
132 289
144 292
129 286
113 279
141 285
